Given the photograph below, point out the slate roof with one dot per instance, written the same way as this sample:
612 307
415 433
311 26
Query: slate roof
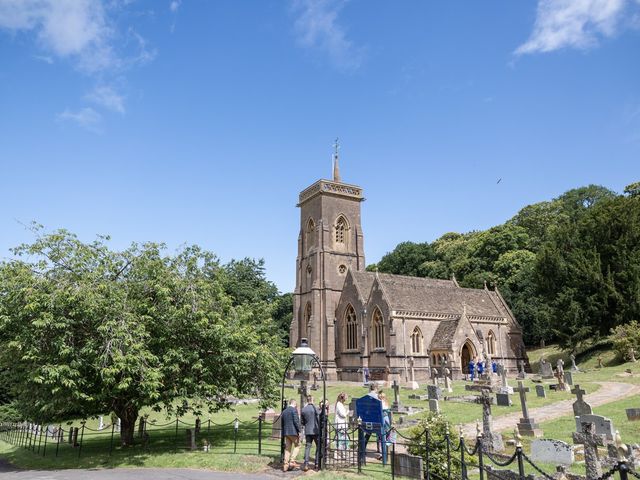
431 295
444 334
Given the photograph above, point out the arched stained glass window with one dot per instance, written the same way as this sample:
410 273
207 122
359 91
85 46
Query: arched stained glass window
416 341
350 329
378 329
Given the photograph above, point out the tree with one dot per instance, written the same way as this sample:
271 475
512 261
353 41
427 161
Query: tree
86 330
406 259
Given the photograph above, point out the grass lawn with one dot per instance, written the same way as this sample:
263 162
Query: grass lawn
167 447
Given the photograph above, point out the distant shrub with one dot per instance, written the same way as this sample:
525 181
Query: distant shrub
625 337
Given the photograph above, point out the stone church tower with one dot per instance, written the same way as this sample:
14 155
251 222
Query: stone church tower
330 244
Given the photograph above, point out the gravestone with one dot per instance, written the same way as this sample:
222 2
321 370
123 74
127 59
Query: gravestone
315 382
632 355
491 441
552 451
409 466
434 405
561 386
101 423
412 385
546 370
434 392
447 381
580 406
395 407
560 365
602 425
540 391
521 373
276 428
417 396
503 400
574 367
633 414
191 439
568 378
600 361
526 425
591 441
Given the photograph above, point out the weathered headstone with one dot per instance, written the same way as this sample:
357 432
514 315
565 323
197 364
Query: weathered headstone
521 373
276 428
447 381
591 441
434 405
574 367
632 355
503 400
491 441
101 423
526 425
409 466
602 425
560 365
561 386
434 392
580 406
191 439
546 370
552 451
633 414
568 378
540 391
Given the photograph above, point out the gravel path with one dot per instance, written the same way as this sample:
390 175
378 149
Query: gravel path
608 392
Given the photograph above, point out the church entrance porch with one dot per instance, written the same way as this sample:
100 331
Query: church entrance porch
466 355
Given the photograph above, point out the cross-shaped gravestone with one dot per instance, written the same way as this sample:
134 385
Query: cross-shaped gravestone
526 426
521 373
591 441
396 398
492 441
580 407
447 380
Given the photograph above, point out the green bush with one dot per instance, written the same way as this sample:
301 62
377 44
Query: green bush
437 426
625 337
8 413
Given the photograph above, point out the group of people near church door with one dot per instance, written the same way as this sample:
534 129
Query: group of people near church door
294 426
479 366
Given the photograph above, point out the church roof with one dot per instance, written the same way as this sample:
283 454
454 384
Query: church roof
432 295
444 334
363 282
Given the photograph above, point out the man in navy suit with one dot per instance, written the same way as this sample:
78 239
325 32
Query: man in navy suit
290 424
311 424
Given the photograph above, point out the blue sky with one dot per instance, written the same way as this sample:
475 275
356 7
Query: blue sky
199 122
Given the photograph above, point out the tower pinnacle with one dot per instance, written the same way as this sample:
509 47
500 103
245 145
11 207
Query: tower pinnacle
336 167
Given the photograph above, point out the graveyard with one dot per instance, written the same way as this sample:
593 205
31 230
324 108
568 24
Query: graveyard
559 438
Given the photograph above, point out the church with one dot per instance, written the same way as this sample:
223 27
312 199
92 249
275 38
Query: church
396 327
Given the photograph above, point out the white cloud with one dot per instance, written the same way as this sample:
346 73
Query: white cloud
107 97
67 28
86 118
175 5
316 27
574 24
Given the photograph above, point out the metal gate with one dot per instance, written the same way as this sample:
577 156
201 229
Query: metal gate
341 447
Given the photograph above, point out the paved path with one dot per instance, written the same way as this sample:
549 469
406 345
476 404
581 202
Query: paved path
608 392
135 474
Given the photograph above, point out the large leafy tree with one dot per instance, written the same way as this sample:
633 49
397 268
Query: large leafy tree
85 330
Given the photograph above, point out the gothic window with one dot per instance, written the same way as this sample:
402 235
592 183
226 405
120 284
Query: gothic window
416 341
341 230
311 233
378 329
307 316
491 343
350 329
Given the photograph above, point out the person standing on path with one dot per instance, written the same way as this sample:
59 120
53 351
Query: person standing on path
311 424
291 432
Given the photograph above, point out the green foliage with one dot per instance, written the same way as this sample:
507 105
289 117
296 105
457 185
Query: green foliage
437 426
569 268
86 330
626 337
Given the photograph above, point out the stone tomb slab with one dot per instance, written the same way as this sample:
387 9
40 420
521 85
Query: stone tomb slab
540 391
603 425
552 451
503 400
415 396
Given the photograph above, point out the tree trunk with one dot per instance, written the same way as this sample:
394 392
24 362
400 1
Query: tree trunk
128 416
